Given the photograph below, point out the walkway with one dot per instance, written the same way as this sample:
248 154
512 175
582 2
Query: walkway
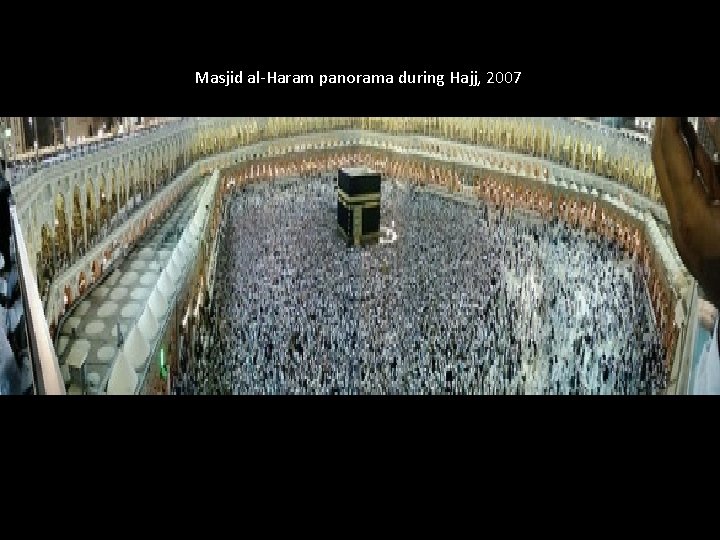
120 298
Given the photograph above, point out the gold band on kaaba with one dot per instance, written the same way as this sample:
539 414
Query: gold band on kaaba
369 204
357 199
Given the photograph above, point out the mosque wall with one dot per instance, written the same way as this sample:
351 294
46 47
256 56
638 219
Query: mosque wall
82 126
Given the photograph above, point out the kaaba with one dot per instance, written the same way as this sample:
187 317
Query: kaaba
358 209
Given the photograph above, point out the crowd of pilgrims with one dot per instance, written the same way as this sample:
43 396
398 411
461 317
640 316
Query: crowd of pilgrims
468 300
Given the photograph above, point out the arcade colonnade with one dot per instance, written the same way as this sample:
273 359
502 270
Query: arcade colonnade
555 139
67 208
70 212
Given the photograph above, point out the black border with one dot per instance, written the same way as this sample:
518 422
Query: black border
152 444
155 444
669 420
568 69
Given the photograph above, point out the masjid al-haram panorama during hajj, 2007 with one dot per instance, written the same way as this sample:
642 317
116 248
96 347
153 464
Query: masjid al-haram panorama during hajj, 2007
358 255
471 78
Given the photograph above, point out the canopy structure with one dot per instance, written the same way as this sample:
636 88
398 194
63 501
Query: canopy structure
183 251
179 260
148 325
143 336
189 240
165 285
194 230
136 349
123 379
158 303
173 272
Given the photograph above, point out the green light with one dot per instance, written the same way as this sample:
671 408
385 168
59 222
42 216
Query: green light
163 364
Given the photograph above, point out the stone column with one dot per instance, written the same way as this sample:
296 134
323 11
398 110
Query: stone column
83 211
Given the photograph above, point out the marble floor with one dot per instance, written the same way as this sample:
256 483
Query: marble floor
121 297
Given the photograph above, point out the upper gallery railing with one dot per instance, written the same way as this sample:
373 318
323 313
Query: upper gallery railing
47 378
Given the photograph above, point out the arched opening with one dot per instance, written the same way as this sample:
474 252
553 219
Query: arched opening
82 284
131 191
45 266
107 258
122 191
91 228
62 240
104 213
67 297
78 237
164 172
114 202
137 187
96 271
149 178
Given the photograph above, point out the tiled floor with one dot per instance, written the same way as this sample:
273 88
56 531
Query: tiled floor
121 298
